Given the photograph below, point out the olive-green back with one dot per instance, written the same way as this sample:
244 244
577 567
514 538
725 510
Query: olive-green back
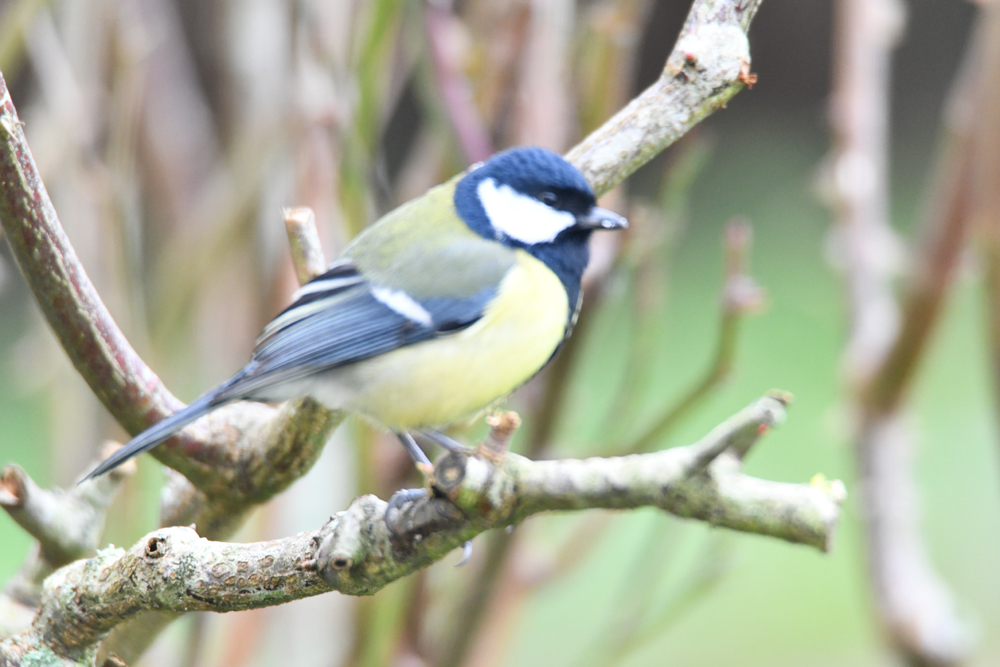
425 249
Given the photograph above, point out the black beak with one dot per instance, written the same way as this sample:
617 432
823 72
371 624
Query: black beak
601 218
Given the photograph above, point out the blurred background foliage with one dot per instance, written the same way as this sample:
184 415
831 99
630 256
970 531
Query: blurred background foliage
170 134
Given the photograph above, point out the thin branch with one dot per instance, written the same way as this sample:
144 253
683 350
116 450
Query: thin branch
864 245
373 543
303 238
708 65
543 109
67 524
916 606
67 298
946 231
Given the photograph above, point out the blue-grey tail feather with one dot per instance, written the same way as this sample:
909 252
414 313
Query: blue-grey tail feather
161 431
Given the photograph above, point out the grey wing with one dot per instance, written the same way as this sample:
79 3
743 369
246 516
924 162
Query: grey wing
340 318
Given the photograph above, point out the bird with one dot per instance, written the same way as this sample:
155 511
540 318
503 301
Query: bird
434 312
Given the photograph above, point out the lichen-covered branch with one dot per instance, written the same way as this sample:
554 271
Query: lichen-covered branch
709 64
372 542
67 524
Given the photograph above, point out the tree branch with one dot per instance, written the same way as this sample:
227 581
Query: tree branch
67 298
372 543
303 238
67 524
708 65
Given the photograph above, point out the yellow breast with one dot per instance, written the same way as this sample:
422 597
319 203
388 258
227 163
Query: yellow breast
440 381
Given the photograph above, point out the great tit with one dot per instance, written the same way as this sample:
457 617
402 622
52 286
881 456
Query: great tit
435 311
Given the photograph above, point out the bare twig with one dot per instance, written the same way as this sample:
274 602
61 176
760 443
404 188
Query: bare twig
67 525
303 237
543 107
914 604
115 373
373 543
864 245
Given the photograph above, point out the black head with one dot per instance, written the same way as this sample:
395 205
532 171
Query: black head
531 198
526 197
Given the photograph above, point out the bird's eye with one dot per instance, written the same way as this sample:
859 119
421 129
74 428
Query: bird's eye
549 198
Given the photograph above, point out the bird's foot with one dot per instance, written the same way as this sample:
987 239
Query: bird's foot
398 504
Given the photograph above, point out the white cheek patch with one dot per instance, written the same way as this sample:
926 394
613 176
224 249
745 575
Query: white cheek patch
521 217
403 303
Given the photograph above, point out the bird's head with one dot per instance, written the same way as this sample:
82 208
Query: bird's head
528 197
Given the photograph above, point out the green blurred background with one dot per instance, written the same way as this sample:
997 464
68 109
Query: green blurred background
699 596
